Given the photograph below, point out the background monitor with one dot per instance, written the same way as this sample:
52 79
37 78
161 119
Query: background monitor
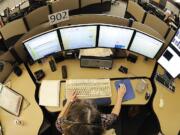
145 45
79 37
176 40
114 37
43 45
170 61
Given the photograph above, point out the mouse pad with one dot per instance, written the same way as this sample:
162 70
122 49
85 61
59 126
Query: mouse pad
129 90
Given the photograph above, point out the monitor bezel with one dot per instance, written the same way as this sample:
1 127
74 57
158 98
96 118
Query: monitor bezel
163 66
171 45
38 35
79 25
117 26
136 31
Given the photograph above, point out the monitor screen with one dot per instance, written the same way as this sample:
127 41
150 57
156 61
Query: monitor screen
145 45
170 61
176 40
114 37
78 37
43 45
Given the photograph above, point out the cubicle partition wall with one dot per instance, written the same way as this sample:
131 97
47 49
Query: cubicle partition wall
95 18
71 5
37 17
135 11
157 24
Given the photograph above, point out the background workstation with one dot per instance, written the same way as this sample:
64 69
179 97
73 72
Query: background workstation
41 124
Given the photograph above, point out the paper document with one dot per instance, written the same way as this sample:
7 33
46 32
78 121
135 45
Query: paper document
99 52
10 100
49 93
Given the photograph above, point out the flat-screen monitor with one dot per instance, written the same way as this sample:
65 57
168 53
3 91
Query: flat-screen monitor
77 37
114 37
176 40
145 45
170 61
43 45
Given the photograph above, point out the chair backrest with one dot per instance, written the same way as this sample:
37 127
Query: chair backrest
64 4
85 3
13 28
37 17
135 10
7 67
19 46
95 18
157 24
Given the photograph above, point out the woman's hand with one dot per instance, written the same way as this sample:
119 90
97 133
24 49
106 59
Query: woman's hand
121 90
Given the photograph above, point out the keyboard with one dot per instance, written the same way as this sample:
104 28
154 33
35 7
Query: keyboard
88 88
164 82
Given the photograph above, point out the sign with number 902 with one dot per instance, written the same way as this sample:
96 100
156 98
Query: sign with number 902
58 17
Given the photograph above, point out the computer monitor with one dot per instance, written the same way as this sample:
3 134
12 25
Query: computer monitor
145 45
77 37
111 36
170 61
176 41
43 45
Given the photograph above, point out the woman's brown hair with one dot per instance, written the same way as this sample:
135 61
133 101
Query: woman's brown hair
83 118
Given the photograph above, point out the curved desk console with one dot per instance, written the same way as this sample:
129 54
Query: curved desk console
141 68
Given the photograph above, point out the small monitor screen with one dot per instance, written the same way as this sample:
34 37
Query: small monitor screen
176 40
145 45
114 37
79 37
43 45
170 61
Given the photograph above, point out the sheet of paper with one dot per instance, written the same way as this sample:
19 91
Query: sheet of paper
49 93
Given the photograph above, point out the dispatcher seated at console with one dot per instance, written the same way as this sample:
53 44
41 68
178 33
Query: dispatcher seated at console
81 117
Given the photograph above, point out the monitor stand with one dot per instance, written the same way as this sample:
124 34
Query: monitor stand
166 80
119 53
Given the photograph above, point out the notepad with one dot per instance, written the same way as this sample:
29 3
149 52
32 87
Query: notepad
10 100
129 90
49 93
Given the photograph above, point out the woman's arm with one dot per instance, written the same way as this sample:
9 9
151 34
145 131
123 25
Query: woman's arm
120 94
70 100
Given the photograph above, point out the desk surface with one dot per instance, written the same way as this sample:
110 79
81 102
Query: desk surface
169 115
75 72
140 68
31 115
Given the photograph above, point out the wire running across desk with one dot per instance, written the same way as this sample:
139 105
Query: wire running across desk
89 88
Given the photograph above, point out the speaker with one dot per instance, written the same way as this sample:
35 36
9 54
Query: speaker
132 58
96 62
17 70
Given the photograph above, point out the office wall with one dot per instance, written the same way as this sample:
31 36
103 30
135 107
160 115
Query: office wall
172 7
8 3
